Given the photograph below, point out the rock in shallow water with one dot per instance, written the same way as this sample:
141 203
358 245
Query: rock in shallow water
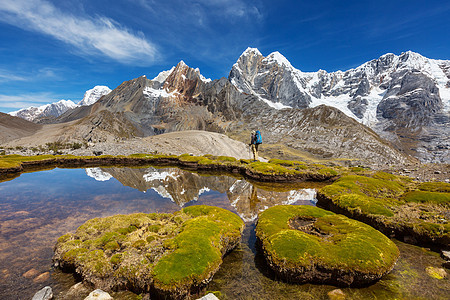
309 244
44 294
98 295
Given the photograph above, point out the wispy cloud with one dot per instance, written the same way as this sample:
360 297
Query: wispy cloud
89 35
212 31
11 102
44 73
207 9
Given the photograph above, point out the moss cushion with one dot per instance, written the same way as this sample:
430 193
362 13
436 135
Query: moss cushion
169 254
309 244
415 212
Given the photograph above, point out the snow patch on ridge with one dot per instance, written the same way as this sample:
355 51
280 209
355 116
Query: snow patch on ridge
151 92
98 174
162 76
163 176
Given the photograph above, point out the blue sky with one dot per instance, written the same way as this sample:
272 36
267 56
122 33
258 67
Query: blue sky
53 50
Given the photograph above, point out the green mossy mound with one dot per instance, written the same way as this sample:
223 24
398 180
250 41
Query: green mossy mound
170 255
309 244
414 212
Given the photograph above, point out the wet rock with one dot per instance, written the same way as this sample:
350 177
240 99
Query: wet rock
336 294
445 255
98 295
437 273
30 273
44 294
309 244
209 296
76 291
42 277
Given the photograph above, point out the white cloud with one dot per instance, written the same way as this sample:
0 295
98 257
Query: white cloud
11 102
7 76
89 35
45 73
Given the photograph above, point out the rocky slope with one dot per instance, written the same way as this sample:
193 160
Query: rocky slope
404 98
12 128
182 99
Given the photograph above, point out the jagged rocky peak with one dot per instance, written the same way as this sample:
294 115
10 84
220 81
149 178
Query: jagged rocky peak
184 80
272 79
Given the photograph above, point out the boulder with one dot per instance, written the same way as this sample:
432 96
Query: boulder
209 296
309 244
44 294
98 295
171 255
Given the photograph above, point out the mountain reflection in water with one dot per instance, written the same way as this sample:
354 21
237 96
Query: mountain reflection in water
185 188
37 208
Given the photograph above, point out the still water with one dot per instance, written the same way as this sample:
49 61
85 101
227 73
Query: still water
37 208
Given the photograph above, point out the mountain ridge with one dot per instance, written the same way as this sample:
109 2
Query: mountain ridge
55 109
269 94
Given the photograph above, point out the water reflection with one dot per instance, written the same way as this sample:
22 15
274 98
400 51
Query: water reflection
37 208
185 188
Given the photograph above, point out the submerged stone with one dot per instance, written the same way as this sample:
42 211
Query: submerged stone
437 273
168 254
309 244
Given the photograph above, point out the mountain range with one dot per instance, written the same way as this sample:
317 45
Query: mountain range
54 110
385 111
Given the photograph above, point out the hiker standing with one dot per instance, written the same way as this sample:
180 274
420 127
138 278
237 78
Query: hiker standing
254 143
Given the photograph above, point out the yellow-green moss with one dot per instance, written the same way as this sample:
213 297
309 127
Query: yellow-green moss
427 197
345 244
176 251
440 187
198 248
390 198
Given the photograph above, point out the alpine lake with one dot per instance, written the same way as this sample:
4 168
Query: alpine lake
38 207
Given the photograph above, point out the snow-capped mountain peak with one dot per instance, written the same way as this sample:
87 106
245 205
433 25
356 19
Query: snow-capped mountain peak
91 96
251 51
277 57
46 110
58 108
162 76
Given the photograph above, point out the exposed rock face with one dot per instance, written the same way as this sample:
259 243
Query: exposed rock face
405 98
273 79
45 293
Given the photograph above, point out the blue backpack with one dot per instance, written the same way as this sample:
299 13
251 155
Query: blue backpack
258 137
